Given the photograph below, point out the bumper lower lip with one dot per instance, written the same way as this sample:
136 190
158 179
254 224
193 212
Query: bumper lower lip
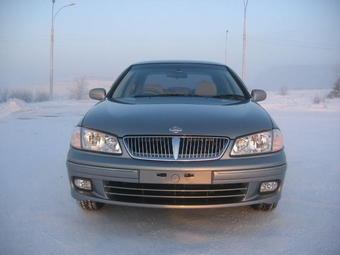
103 177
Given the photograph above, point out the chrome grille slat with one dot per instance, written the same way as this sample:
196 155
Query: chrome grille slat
191 148
178 196
177 190
175 194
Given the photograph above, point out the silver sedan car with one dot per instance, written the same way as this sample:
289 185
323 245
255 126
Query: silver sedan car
177 134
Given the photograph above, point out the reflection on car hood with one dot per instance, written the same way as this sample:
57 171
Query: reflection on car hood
231 120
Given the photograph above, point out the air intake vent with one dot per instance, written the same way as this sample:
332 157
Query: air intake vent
176 194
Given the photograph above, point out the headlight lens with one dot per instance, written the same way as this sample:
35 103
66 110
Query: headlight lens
87 139
263 142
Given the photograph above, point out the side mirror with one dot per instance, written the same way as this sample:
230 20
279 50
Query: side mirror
258 95
97 94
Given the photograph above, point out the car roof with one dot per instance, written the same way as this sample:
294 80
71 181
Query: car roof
178 62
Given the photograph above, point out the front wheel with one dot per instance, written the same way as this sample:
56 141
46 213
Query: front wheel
264 207
89 204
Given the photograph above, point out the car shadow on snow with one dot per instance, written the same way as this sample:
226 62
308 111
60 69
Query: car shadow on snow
183 225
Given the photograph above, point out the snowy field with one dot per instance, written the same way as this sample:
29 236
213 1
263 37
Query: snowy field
38 215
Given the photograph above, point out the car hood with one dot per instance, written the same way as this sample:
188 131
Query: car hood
231 120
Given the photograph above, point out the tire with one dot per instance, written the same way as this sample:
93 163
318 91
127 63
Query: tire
264 207
89 205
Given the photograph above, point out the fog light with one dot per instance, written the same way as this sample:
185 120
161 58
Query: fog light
83 184
268 186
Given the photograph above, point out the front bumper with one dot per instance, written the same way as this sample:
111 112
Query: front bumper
227 182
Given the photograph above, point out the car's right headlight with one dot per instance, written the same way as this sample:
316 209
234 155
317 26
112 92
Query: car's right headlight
264 142
87 139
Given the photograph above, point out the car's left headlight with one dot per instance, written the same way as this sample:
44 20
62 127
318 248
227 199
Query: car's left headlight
264 142
87 139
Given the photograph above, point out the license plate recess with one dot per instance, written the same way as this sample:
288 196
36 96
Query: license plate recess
175 177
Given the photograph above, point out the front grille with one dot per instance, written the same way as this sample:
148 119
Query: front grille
168 148
175 194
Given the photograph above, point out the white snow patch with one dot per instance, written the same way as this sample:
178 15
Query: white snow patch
12 105
39 216
301 100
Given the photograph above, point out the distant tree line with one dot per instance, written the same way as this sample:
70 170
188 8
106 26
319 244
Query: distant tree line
78 91
336 90
25 95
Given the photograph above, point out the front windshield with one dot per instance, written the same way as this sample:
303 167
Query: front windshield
169 80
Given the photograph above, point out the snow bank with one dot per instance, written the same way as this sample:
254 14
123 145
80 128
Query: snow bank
19 109
12 105
301 100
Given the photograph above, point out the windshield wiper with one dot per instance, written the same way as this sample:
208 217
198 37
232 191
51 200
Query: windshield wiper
168 95
229 96
177 95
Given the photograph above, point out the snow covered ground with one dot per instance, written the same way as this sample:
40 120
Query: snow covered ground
38 215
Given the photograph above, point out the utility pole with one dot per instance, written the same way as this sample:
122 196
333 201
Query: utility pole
245 4
51 52
52 45
226 44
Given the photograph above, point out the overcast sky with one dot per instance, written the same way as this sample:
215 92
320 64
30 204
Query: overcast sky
288 41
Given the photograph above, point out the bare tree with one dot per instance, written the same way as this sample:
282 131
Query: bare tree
79 90
25 95
283 91
41 96
4 94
